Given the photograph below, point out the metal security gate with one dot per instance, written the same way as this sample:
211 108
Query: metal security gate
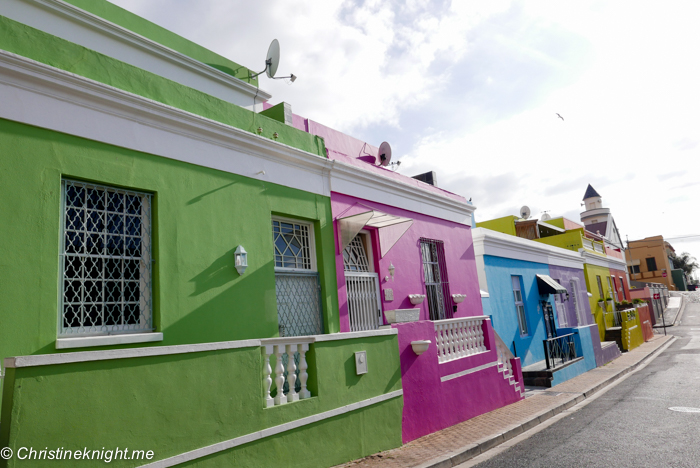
363 300
299 304
437 285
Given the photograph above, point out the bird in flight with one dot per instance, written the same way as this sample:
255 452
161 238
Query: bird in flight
559 116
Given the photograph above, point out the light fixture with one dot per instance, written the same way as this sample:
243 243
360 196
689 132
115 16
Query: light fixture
241 259
392 269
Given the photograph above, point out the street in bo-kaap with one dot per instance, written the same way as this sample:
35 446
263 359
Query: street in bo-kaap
209 264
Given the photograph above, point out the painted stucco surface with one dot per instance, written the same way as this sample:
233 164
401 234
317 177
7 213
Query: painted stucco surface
564 275
621 285
199 218
176 403
50 50
498 274
145 28
406 257
595 301
430 404
585 347
506 225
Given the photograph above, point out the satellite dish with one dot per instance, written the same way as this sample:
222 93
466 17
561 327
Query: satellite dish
384 154
546 217
273 59
525 212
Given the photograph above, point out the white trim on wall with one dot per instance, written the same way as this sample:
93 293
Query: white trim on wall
73 24
87 356
253 436
42 96
497 244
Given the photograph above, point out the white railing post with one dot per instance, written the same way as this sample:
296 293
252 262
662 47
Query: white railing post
267 380
292 395
280 398
460 337
303 376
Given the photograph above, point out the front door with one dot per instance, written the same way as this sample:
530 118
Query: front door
549 324
362 285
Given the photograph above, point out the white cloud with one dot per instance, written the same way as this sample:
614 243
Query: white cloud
470 89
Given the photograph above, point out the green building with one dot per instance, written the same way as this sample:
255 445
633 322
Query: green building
168 274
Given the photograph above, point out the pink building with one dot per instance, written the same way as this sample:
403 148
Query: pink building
405 259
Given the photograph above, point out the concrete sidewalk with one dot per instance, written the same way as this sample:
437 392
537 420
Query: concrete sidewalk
461 442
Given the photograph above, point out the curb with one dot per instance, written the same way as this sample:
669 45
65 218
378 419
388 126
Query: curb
470 451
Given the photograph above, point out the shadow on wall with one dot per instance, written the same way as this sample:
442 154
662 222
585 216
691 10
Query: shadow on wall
246 309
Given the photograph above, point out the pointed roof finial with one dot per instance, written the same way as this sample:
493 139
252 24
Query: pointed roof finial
590 192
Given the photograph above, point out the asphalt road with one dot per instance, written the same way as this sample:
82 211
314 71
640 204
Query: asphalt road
630 425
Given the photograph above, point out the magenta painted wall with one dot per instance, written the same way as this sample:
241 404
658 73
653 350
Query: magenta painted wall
431 405
406 258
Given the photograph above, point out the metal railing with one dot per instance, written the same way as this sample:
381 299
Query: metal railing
559 350
460 337
364 307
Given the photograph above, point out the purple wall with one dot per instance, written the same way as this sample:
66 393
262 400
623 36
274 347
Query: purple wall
431 405
564 275
406 258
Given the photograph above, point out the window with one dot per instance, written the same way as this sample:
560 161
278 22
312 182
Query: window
614 288
297 282
622 288
600 288
634 269
651 264
437 286
574 296
561 310
105 260
611 290
519 304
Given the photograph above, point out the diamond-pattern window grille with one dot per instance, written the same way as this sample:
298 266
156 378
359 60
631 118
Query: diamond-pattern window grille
105 260
354 255
298 304
292 245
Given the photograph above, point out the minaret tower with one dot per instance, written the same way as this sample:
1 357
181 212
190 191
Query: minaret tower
598 219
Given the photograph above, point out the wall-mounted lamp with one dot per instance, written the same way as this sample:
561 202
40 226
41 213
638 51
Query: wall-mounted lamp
241 259
392 269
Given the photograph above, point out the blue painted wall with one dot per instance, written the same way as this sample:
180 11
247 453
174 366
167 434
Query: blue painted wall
501 305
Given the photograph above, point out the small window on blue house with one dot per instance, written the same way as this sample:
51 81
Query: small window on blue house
519 304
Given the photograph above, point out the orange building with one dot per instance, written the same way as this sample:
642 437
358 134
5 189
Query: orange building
648 261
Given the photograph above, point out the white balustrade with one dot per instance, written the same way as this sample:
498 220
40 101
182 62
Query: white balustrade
460 337
286 370
588 244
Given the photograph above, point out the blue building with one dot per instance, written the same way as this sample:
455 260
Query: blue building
537 299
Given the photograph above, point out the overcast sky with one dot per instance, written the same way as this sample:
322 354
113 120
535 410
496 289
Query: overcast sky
470 89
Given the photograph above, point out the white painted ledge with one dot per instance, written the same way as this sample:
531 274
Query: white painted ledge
87 341
228 444
352 335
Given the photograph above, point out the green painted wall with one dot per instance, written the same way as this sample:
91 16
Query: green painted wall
145 28
505 225
177 403
45 48
200 216
570 240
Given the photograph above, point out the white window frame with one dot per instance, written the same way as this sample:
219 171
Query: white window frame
312 245
522 312
560 308
574 283
102 335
